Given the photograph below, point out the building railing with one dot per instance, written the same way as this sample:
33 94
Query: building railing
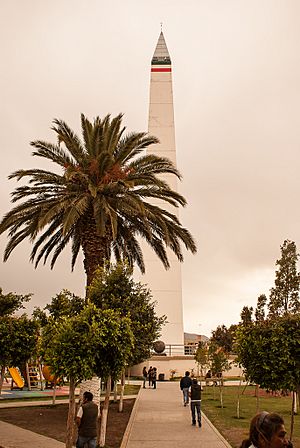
178 350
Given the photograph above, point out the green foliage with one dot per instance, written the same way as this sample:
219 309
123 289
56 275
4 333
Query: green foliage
18 340
260 308
9 303
201 355
91 342
113 287
218 359
269 352
65 304
223 337
98 198
284 297
246 315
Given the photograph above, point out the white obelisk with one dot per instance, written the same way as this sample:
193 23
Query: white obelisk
165 284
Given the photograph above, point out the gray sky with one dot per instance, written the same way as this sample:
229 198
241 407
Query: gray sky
236 78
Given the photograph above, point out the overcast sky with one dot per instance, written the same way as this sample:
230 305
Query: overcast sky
236 79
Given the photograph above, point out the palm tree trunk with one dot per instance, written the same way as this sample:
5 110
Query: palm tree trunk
96 249
71 414
104 414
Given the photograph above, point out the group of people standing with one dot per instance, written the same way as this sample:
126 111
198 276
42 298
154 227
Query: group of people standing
192 390
150 376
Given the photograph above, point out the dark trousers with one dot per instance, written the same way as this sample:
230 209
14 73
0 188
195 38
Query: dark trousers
196 405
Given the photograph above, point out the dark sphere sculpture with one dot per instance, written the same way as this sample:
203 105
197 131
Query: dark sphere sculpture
159 346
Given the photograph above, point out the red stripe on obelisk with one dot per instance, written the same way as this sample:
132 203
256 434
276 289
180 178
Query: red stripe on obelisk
161 69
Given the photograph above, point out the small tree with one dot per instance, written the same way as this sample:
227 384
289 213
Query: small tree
73 346
284 296
18 335
113 287
269 352
201 356
219 363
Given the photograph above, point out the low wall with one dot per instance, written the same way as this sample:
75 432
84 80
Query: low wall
180 364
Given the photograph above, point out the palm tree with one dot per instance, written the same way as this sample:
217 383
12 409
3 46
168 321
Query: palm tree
101 200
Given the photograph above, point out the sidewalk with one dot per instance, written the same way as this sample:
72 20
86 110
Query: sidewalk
159 419
14 437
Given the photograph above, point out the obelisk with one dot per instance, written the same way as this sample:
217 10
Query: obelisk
165 284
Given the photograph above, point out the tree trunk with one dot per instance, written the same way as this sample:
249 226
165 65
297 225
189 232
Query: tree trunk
115 391
2 377
238 400
128 376
104 414
54 392
292 416
257 398
71 414
295 403
96 249
221 394
122 391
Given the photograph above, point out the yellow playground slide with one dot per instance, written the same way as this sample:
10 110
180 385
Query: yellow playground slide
14 372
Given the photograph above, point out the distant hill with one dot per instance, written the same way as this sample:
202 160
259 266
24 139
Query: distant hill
193 338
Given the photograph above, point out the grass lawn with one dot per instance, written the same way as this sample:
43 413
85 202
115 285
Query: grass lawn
235 430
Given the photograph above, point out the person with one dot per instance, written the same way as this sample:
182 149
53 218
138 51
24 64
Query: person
150 376
154 377
195 395
86 421
185 384
267 431
207 377
145 376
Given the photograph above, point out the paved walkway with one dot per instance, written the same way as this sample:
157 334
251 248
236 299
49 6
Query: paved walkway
159 419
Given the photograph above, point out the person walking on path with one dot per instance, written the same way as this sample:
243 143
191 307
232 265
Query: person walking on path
150 376
87 422
145 376
195 395
185 384
267 430
154 377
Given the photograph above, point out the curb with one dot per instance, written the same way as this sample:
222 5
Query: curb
226 443
130 421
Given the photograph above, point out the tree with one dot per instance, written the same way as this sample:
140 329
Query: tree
18 335
201 356
223 337
100 201
114 288
219 363
260 308
269 352
9 303
18 341
94 341
284 296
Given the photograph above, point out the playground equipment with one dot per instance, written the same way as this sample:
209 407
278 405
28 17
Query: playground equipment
34 376
16 377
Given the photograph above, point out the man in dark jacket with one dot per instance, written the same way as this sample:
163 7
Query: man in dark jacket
185 384
195 395
87 422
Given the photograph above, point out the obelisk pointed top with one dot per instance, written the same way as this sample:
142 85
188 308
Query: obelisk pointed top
161 54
